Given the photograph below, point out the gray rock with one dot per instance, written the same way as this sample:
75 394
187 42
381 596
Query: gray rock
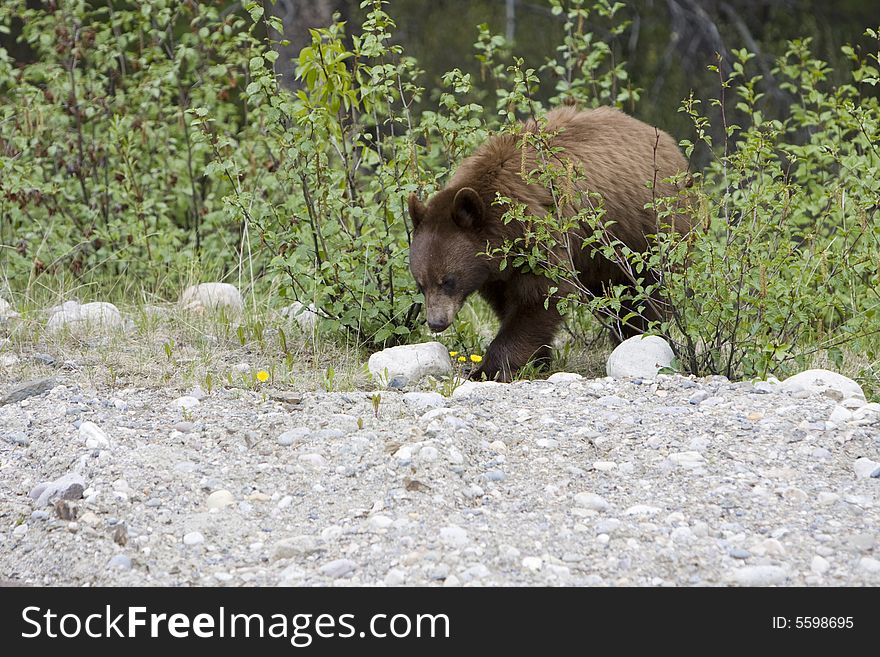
67 487
639 356
591 501
739 553
422 401
413 362
294 436
119 562
17 438
193 538
338 568
28 389
296 546
698 397
454 536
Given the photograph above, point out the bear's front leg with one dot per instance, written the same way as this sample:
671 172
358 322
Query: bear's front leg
525 335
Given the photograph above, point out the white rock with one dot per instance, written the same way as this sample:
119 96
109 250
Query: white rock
533 563
819 565
315 460
591 501
338 568
688 460
454 536
604 466
395 577
869 564
292 436
840 415
413 362
93 436
211 296
759 575
641 510
823 382
865 467
641 356
186 403
193 538
867 414
219 499
75 317
6 310
305 316
564 377
379 521
20 530
475 389
422 401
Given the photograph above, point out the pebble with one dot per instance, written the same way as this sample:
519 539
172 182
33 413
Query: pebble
759 575
454 536
533 563
293 436
28 389
698 397
93 436
865 467
738 553
819 565
220 499
591 501
185 403
870 565
338 568
119 562
193 538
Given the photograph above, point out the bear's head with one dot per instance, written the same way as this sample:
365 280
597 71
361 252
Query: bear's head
450 234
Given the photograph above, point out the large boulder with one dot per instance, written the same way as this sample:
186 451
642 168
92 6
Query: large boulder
88 316
641 356
410 362
824 382
212 296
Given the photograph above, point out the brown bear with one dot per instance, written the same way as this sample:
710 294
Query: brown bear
616 155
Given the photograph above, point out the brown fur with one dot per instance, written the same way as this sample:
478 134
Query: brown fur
617 156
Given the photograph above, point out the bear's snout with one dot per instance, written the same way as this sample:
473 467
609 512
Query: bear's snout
438 325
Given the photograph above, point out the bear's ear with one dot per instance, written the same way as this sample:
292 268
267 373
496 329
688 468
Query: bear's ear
416 210
467 209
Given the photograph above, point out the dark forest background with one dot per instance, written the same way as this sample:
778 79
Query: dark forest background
667 46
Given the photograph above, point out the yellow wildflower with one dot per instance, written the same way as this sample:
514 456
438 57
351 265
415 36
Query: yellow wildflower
462 359
262 376
453 354
476 359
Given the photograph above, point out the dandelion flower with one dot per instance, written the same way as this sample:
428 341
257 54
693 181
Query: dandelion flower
262 376
462 359
453 354
476 359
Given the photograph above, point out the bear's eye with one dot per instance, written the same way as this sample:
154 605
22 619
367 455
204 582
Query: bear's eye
448 284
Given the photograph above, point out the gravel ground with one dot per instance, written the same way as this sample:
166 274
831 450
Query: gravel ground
580 482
